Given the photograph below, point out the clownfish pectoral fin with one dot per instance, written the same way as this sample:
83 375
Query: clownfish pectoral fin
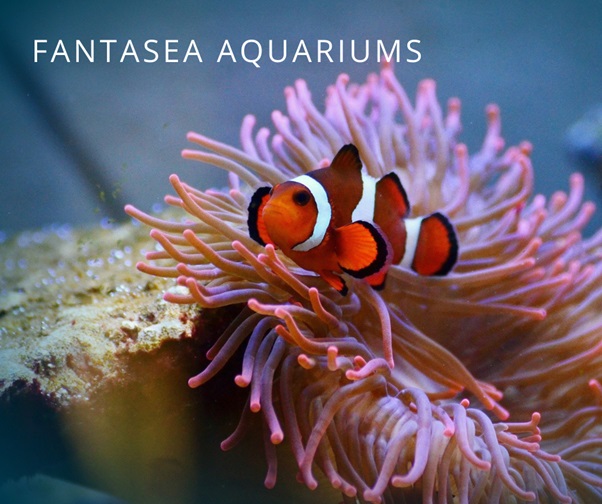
362 249
377 281
436 247
334 281
347 158
257 229
390 188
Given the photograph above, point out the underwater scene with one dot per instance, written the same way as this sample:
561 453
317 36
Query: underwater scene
318 253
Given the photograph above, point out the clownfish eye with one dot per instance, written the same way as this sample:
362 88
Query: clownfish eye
301 198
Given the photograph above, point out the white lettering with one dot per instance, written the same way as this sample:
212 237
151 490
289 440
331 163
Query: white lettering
325 52
79 46
108 43
60 50
250 51
302 51
388 56
415 51
192 50
226 51
37 50
149 49
169 49
271 51
367 55
129 50
243 52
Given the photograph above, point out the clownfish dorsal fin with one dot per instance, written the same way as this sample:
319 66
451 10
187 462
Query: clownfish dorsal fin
390 188
362 249
348 158
436 246
257 229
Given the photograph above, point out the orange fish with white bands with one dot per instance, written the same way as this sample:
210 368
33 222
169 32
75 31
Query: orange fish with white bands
340 219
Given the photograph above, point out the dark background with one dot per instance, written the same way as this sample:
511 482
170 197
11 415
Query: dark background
80 139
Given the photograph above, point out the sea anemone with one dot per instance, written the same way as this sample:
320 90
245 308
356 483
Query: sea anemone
405 393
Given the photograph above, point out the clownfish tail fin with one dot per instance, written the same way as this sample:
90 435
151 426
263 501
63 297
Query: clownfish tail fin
257 229
436 249
347 158
390 188
362 249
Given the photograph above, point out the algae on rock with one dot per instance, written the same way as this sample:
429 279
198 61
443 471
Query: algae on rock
73 305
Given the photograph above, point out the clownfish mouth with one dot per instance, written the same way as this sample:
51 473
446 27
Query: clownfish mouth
277 215
272 211
275 218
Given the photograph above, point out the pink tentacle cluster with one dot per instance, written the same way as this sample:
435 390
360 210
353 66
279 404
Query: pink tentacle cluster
373 388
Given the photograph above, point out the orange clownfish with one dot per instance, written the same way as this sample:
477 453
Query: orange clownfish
340 219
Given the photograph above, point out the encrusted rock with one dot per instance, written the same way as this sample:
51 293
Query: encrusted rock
73 306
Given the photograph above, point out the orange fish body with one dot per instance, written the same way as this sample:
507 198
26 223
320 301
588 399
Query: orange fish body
339 219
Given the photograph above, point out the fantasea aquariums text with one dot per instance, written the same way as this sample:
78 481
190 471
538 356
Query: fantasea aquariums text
250 51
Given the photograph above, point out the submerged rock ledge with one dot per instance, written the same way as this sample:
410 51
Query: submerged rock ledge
73 308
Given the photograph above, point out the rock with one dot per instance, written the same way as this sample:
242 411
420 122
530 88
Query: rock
584 138
73 306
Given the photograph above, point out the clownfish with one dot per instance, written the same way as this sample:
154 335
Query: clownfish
340 219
